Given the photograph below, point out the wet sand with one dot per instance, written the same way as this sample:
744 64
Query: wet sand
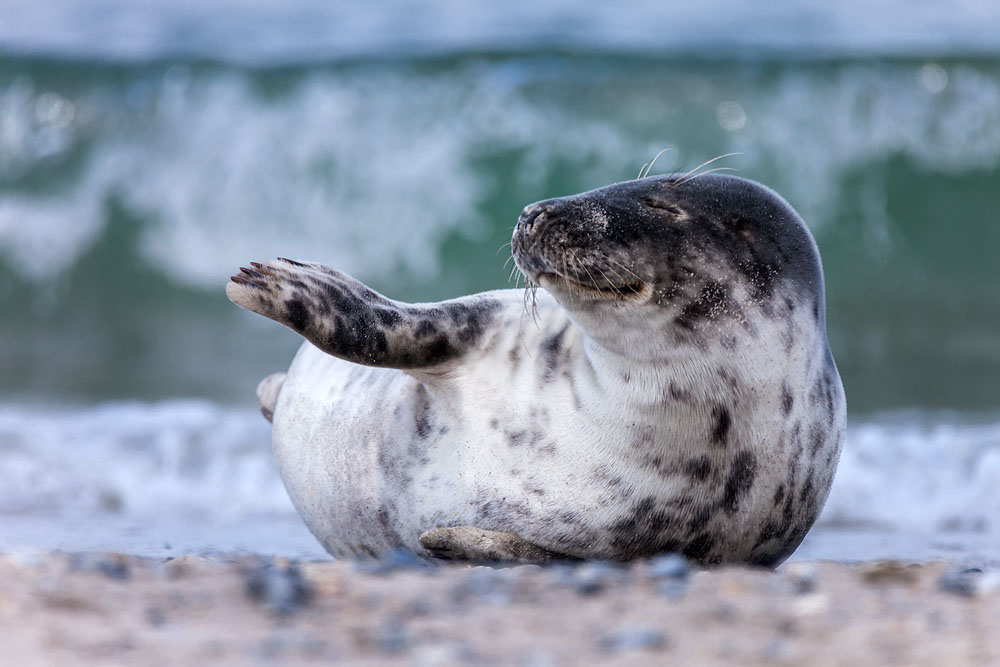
100 609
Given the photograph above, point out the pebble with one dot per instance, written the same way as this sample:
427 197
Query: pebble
672 589
155 617
283 590
592 577
391 637
889 572
960 582
801 577
113 566
174 568
669 566
633 639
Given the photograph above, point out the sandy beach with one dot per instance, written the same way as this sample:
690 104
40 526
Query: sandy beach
104 609
149 149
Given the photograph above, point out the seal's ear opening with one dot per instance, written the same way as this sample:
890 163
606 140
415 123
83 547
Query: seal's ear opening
662 205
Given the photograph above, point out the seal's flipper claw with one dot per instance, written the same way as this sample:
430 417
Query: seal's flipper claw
484 546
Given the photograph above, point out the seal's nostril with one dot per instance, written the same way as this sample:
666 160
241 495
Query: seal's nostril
538 214
529 216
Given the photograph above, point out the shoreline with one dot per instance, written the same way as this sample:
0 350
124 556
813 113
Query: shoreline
95 608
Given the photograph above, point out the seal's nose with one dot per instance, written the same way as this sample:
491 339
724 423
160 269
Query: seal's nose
536 215
529 216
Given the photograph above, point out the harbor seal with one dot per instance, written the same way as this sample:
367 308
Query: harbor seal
669 388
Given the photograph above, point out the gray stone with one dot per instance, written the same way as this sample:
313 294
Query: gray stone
960 582
633 639
283 590
669 566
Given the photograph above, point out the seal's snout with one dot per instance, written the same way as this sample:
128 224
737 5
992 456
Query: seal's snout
532 216
535 217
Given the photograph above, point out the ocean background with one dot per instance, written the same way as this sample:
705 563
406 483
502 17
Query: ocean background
149 149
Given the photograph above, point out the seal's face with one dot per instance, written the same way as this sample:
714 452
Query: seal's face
704 249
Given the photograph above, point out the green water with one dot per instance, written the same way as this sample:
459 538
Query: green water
129 193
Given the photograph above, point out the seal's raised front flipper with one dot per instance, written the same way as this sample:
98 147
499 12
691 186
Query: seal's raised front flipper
483 546
342 317
267 394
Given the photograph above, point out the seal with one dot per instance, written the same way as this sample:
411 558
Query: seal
669 388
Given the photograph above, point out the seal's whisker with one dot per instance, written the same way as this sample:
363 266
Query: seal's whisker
584 266
703 164
623 280
709 171
614 288
534 302
529 288
505 245
628 270
649 165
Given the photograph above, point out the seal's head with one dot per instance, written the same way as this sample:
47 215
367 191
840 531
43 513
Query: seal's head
675 253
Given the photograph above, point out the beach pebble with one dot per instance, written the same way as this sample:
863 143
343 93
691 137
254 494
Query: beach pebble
283 590
113 566
183 566
889 572
960 582
391 636
155 617
592 577
419 607
669 566
633 639
801 578
672 589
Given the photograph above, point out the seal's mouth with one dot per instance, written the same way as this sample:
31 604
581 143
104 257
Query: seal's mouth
627 291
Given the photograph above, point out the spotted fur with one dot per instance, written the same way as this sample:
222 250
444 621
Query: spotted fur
673 389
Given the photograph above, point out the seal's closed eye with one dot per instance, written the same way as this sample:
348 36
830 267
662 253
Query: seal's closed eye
662 205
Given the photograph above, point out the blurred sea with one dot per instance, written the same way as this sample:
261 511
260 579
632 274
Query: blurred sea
149 149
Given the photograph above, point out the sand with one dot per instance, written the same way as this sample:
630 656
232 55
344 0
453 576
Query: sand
101 609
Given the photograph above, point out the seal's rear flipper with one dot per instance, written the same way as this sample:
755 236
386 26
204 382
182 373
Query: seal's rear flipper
477 545
267 394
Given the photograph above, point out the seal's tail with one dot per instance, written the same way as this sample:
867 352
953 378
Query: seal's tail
267 394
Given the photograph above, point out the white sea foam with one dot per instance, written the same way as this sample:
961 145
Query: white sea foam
171 458
918 472
371 169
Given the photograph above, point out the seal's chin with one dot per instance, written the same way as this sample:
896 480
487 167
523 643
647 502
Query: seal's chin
637 291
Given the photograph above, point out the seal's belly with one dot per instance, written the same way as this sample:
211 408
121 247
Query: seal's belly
371 459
